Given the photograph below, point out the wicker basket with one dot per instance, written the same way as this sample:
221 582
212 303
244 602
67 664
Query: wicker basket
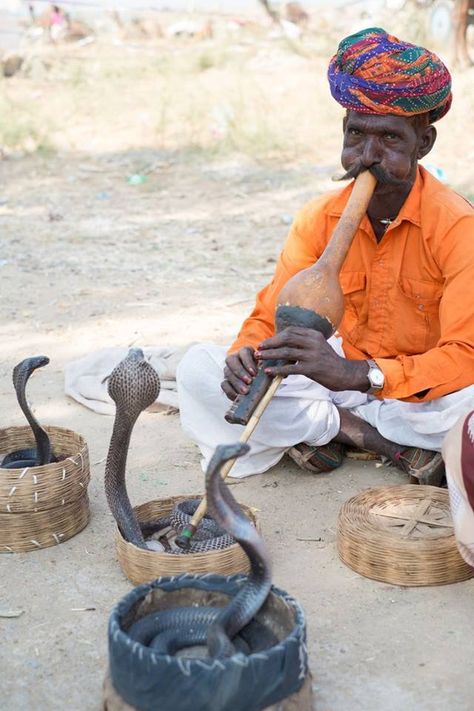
29 531
43 506
41 488
401 535
141 566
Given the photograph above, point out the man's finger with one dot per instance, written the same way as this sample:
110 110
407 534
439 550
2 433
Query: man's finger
248 360
291 336
239 385
235 370
283 353
284 370
228 390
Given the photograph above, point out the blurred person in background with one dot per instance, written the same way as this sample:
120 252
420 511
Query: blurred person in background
57 22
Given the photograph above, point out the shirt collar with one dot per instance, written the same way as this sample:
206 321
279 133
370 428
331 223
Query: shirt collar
410 209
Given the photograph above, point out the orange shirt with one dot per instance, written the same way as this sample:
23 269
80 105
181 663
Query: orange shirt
409 299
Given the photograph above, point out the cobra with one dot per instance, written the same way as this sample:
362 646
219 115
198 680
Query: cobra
42 454
134 385
169 631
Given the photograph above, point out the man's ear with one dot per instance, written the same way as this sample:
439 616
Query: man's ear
344 123
426 141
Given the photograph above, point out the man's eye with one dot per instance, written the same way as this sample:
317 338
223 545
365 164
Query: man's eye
391 136
354 132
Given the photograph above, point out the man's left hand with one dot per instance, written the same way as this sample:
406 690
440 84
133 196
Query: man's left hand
308 353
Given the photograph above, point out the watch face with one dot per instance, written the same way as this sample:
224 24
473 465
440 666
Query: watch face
376 376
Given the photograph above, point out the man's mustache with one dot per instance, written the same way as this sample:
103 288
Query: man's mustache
383 178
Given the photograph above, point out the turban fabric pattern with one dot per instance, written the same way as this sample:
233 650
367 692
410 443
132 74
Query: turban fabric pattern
376 73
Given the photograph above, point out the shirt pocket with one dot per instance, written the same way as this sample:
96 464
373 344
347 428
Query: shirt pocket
353 285
418 315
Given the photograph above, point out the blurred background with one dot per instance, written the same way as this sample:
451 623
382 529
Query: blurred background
148 144
199 76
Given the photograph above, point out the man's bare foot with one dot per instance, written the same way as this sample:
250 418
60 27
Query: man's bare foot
356 432
422 465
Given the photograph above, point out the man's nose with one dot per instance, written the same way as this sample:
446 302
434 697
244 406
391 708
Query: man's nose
371 153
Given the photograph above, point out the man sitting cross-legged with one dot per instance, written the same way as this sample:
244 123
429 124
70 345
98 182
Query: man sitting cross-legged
401 370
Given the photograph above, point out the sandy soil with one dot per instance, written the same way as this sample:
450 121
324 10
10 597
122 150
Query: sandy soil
89 261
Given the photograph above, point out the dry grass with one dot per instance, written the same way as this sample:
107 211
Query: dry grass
261 98
211 97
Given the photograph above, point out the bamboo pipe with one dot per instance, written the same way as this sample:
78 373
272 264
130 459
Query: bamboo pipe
312 298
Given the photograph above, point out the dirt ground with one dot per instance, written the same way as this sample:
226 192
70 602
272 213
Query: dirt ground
88 261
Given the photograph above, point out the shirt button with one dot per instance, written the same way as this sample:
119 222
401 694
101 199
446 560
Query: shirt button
420 306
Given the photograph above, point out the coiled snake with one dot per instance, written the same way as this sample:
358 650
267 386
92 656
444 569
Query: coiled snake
169 631
22 458
133 386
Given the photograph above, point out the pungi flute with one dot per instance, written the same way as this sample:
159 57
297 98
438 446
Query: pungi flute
312 298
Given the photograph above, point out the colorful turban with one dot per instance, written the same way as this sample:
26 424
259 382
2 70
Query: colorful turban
375 73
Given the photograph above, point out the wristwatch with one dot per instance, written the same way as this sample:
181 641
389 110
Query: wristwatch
375 376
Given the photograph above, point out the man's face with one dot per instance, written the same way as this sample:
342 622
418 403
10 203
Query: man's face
390 145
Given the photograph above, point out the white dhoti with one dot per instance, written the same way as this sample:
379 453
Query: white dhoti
300 411
458 454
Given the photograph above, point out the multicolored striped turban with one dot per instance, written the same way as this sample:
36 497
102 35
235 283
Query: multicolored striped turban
375 73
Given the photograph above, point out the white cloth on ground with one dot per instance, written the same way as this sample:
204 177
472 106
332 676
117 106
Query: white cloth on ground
300 411
85 379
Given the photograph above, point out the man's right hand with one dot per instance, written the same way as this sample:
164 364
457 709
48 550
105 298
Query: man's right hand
240 368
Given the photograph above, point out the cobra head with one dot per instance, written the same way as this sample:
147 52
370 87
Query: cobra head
26 367
133 384
222 454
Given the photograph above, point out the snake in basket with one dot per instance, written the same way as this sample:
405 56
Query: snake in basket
230 628
134 385
42 454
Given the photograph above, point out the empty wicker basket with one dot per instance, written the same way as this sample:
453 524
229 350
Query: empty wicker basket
43 506
141 566
401 535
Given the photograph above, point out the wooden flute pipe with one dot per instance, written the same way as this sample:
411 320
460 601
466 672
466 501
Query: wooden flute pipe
313 297
184 538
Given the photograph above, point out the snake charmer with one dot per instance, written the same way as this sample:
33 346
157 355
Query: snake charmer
399 372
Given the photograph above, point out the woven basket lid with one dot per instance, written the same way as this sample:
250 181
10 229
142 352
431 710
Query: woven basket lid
402 535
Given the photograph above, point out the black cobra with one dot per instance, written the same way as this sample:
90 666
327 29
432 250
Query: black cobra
42 453
134 385
170 631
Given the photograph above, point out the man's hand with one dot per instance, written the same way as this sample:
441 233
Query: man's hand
239 371
308 353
